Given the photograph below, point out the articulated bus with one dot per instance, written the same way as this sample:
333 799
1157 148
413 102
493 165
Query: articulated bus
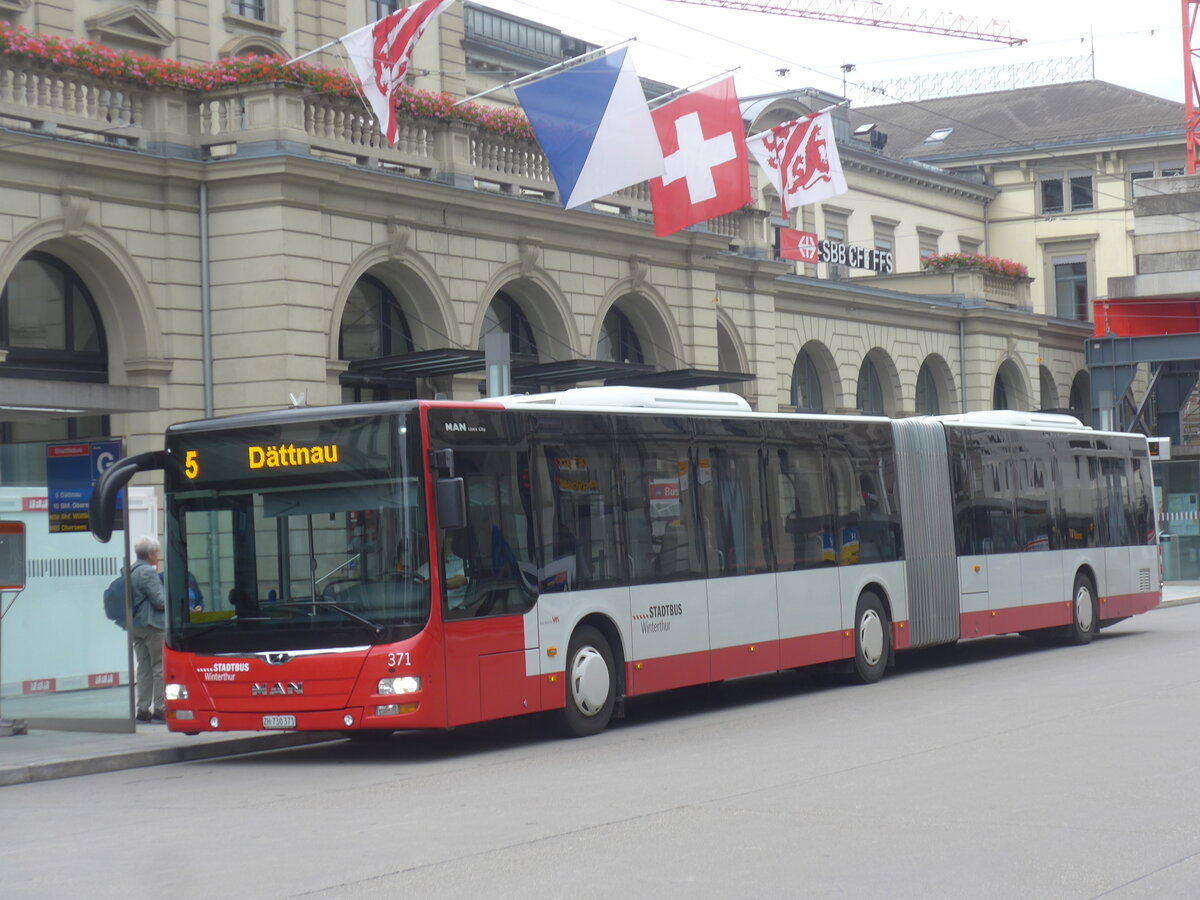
428 564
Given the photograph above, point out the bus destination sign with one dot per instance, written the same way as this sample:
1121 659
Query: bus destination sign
294 454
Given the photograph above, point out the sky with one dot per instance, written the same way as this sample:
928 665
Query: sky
1139 46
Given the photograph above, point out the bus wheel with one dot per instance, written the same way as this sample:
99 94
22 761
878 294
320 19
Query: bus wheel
872 639
1083 611
591 683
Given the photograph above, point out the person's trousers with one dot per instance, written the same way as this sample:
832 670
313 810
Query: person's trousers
148 655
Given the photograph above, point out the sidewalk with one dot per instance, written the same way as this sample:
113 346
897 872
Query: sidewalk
46 755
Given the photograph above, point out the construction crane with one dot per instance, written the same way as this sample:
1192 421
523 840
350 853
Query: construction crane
879 15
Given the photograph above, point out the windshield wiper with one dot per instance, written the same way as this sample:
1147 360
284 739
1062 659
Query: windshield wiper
327 604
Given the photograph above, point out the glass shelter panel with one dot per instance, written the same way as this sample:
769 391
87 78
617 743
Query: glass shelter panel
63 663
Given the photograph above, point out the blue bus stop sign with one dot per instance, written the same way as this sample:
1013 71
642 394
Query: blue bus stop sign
71 470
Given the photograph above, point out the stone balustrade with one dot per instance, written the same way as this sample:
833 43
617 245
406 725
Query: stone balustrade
289 118
973 285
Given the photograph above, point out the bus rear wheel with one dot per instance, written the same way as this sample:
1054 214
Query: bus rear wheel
872 639
1083 612
591 683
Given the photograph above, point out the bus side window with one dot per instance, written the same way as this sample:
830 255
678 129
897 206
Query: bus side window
730 496
863 473
1113 473
575 494
798 497
962 478
1036 531
497 544
659 513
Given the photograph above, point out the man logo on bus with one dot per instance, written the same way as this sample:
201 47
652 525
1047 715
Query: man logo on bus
276 689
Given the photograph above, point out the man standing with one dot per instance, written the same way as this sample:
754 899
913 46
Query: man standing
148 631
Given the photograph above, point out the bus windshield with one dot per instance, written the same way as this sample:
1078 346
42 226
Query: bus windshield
289 565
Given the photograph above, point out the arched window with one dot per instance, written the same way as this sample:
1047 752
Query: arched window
52 330
869 397
373 323
618 339
806 384
505 315
928 403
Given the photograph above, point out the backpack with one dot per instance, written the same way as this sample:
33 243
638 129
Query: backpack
114 599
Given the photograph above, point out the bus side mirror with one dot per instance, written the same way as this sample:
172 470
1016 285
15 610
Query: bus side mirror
450 499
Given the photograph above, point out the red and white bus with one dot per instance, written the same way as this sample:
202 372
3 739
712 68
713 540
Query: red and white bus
426 564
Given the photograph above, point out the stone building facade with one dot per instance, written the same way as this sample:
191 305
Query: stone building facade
224 251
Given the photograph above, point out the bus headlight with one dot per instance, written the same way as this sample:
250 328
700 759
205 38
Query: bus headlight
176 692
405 684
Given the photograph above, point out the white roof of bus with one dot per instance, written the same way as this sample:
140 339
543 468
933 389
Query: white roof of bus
724 403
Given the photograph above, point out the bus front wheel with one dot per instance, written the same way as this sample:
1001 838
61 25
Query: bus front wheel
872 639
1083 611
591 683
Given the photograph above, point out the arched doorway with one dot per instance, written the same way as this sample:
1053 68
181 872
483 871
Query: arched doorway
936 394
52 331
505 315
806 394
373 326
1008 390
618 340
869 395
928 403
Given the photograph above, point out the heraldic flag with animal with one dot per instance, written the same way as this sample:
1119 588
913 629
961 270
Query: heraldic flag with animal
380 53
801 160
704 153
594 126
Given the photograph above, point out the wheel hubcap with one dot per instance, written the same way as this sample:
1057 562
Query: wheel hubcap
870 637
589 681
1083 608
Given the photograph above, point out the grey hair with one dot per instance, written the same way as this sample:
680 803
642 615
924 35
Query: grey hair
146 546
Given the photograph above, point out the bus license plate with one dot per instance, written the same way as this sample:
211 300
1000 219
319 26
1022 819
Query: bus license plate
279 721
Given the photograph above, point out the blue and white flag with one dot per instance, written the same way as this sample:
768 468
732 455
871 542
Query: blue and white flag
594 126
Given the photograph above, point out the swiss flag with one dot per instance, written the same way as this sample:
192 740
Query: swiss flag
801 245
704 151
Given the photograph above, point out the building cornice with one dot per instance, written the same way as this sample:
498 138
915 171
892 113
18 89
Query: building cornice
915 173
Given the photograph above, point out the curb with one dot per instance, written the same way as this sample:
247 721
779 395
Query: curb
135 759
1182 601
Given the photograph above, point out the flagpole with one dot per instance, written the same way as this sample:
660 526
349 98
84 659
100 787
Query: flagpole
313 51
663 98
541 72
811 115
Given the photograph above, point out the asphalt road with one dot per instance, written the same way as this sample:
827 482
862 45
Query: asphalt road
998 768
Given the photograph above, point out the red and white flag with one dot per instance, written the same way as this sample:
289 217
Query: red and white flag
801 245
704 155
380 53
801 160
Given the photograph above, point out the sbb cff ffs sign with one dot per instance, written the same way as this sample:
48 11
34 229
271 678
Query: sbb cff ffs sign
807 248
839 254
